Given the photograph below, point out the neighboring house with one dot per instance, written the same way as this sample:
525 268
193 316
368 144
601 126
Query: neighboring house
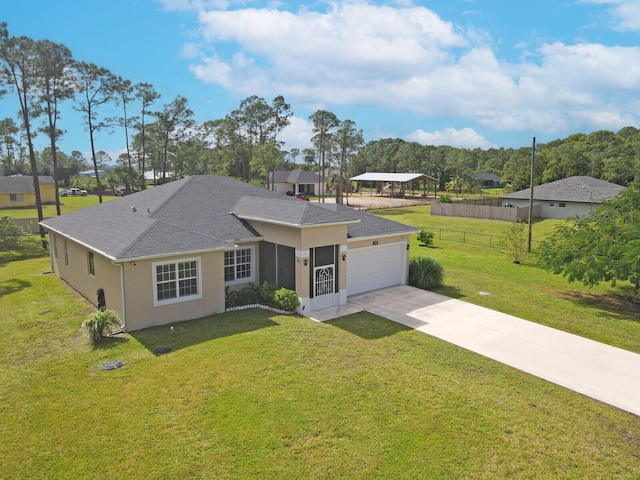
488 180
562 199
296 181
19 191
167 254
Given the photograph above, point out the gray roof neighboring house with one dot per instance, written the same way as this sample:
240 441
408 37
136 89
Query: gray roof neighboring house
294 177
22 183
582 189
194 214
491 177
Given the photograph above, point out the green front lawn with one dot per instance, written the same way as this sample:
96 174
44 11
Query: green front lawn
255 395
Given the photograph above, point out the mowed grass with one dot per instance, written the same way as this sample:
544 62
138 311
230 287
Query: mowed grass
487 276
254 395
67 205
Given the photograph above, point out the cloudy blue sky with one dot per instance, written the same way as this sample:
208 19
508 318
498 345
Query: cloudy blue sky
467 73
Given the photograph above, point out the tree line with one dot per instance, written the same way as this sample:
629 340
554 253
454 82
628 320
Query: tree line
245 144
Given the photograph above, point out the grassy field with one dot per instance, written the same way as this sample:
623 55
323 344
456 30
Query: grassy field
254 395
67 204
483 275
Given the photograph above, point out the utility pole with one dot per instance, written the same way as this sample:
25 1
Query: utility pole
533 156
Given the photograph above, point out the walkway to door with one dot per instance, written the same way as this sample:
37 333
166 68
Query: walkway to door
608 374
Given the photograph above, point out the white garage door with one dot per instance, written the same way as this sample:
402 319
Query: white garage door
379 266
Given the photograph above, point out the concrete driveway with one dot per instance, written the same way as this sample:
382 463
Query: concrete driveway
608 374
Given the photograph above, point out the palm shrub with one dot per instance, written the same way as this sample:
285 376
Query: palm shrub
514 242
100 323
426 273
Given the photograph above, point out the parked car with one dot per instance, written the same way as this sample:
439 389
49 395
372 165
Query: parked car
119 192
74 192
302 196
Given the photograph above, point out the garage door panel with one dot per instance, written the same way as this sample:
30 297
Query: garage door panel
376 267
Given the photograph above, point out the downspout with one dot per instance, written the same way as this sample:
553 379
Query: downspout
124 310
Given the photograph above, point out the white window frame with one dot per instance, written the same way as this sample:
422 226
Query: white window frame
66 253
236 251
177 298
55 245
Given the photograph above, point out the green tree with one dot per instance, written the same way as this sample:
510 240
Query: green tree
324 125
19 68
124 95
349 140
604 246
56 84
96 85
147 95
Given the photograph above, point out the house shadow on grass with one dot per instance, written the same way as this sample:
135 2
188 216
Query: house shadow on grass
367 325
176 336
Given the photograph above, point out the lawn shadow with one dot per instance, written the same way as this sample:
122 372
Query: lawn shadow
12 285
450 291
613 307
176 336
109 342
368 326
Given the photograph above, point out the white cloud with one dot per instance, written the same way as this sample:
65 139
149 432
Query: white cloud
297 134
409 59
625 13
464 138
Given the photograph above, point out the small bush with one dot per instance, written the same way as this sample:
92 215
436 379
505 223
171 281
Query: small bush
100 323
445 198
426 273
425 237
266 292
10 234
286 299
514 242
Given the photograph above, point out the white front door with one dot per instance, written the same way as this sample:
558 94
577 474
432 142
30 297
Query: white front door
324 294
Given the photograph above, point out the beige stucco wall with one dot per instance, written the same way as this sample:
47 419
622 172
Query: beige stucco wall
139 278
138 310
76 273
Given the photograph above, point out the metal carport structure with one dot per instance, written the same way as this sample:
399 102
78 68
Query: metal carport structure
394 178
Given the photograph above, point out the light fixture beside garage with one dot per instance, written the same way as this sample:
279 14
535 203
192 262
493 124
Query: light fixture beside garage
344 257
375 242
306 262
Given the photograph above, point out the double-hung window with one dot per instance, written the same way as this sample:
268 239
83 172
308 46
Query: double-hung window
239 266
176 281
16 197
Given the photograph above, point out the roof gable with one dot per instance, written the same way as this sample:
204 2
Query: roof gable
294 176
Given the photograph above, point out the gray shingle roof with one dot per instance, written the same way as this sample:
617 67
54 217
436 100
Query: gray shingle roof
573 189
22 184
282 211
369 225
194 214
295 176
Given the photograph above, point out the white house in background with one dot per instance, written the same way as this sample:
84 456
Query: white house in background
296 181
566 198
